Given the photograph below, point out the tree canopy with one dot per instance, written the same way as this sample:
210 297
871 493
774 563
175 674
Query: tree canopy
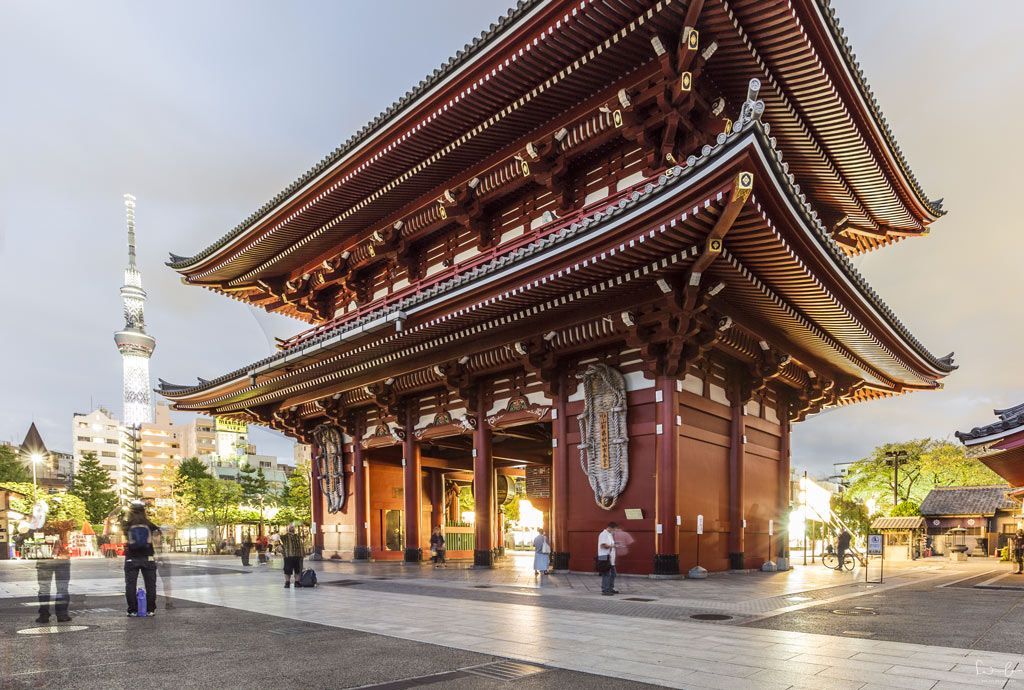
66 511
94 487
928 463
12 469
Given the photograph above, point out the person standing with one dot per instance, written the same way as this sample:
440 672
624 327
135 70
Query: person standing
291 546
541 553
606 559
138 557
261 549
57 570
437 545
246 549
1018 551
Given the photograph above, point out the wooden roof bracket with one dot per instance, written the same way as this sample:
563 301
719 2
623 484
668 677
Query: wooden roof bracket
742 187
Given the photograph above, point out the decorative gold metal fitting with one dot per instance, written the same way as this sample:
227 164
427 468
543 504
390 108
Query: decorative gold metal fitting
691 38
744 186
617 117
728 126
685 81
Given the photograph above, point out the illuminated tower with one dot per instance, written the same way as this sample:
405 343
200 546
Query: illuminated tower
135 346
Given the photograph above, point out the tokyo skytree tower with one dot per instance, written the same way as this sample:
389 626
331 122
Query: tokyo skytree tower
135 346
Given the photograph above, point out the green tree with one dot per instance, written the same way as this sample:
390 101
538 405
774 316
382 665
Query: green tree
255 488
93 486
927 464
216 500
906 509
12 469
853 513
185 486
296 500
64 511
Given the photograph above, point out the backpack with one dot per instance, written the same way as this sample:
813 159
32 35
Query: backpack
307 578
139 538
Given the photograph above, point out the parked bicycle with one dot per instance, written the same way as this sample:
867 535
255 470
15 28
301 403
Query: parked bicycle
831 560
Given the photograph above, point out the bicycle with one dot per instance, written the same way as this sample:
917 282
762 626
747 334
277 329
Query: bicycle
831 560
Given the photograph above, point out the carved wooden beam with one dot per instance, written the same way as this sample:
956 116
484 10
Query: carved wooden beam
539 358
457 380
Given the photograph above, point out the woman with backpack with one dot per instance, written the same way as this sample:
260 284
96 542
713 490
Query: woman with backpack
138 557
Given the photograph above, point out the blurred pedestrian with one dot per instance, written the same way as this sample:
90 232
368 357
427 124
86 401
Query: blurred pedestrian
438 548
541 553
606 559
291 546
138 557
246 549
55 570
262 543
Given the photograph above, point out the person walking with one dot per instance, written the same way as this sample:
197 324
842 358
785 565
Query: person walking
1018 551
261 549
541 553
58 571
138 557
246 549
437 546
606 559
291 545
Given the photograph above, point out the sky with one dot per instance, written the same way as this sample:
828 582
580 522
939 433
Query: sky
205 110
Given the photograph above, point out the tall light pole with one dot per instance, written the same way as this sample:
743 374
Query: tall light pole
36 458
896 457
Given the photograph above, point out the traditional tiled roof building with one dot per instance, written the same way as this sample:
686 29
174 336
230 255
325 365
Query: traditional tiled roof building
612 231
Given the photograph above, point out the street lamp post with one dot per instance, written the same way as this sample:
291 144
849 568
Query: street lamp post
36 458
896 457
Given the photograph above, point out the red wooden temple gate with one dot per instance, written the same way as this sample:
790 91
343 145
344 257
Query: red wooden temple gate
606 248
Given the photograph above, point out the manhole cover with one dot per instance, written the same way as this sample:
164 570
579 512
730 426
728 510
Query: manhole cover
52 629
855 611
711 617
638 599
505 670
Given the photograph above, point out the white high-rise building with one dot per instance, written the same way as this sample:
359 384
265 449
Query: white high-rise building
99 433
134 344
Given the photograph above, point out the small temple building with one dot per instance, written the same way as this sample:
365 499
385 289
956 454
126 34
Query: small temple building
600 258
985 513
1000 446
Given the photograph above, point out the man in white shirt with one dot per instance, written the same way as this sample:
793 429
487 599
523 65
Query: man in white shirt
606 559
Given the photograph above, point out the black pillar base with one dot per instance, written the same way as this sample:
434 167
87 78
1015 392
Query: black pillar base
413 555
499 552
483 559
560 560
736 561
361 553
666 564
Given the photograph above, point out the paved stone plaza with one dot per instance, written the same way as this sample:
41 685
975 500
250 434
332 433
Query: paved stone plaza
781 630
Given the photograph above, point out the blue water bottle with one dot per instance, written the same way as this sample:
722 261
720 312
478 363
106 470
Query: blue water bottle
140 598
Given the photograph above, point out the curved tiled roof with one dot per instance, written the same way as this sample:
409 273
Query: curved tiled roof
600 216
436 77
966 500
839 34
1009 419
479 44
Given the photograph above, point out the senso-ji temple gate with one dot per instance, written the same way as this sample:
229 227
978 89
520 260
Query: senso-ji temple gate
604 248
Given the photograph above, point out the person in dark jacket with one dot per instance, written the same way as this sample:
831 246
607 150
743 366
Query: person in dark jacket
842 546
138 557
437 545
246 548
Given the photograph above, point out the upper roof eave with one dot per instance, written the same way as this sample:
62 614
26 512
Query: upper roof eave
838 35
941 366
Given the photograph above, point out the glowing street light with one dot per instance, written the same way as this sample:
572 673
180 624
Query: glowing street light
36 458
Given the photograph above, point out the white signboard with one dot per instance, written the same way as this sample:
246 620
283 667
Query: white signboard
771 527
700 524
874 544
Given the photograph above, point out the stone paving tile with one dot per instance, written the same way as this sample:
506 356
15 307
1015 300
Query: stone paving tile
710 680
877 678
894 660
878 686
841 662
800 680
949 676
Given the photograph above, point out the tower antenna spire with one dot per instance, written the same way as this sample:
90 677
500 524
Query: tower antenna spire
129 211
135 345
